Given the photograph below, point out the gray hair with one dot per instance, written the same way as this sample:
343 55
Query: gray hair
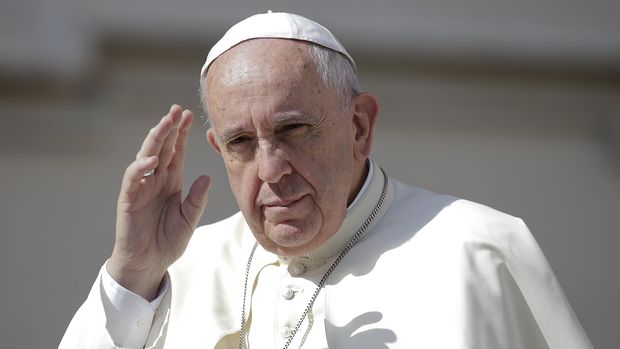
337 73
334 69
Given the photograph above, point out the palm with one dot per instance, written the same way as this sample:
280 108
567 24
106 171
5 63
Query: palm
155 227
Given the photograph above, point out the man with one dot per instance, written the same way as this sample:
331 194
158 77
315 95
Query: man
327 251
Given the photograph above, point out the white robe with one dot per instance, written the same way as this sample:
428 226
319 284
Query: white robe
433 271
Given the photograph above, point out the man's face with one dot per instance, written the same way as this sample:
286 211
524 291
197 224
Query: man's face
287 143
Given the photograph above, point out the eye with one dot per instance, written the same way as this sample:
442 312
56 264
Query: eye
239 140
292 128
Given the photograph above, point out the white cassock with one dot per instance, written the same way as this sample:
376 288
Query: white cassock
432 271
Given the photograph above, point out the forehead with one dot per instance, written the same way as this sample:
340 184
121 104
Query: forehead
265 75
264 59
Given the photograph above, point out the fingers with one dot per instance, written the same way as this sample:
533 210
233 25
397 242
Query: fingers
134 175
181 141
169 147
196 200
161 138
164 144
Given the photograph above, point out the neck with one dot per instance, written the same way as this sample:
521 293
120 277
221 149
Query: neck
360 178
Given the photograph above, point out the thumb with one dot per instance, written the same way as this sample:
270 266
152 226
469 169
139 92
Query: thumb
196 200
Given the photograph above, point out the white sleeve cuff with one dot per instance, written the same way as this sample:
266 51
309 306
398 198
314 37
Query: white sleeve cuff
129 316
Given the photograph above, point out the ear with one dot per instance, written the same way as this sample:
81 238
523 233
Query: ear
212 141
365 112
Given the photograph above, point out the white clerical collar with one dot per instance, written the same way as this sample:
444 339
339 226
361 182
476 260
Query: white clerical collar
357 212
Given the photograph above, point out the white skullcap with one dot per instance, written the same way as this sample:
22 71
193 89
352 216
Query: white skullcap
275 25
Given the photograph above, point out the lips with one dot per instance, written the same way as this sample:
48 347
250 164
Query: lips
278 211
282 203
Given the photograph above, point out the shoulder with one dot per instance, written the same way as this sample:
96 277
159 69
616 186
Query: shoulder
452 220
463 235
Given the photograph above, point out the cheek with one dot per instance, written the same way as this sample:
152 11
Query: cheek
337 173
243 183
328 170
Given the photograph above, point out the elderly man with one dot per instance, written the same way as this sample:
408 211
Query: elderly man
327 250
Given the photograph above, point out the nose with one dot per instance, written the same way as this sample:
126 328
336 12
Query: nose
273 163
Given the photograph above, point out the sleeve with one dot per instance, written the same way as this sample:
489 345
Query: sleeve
114 317
534 279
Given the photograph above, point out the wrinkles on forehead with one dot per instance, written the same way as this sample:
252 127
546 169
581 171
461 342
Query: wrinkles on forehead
257 68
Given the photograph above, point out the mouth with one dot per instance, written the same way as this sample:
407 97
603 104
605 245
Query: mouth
283 202
279 211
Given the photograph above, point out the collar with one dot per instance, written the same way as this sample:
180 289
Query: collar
357 212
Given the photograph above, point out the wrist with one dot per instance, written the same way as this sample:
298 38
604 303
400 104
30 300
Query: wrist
144 282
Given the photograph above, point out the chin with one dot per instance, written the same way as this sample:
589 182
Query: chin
289 240
289 235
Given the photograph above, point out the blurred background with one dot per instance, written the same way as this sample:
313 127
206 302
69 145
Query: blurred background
515 104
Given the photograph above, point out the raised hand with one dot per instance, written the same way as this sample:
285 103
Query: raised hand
153 221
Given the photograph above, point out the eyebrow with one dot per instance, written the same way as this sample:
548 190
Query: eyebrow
280 119
231 132
286 118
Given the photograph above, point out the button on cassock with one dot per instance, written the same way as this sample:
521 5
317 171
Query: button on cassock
288 294
285 332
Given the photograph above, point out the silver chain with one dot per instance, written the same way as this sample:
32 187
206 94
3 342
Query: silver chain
245 288
321 283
